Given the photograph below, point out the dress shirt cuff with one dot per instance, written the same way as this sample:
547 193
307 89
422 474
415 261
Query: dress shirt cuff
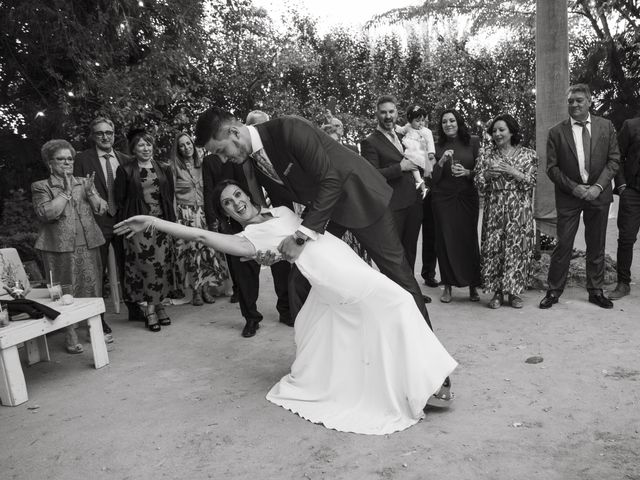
308 232
599 186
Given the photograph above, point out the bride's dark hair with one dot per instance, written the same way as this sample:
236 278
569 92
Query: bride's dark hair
217 193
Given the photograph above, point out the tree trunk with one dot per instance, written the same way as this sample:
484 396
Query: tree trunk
552 81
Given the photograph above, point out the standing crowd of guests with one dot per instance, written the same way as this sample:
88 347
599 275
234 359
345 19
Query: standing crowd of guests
436 186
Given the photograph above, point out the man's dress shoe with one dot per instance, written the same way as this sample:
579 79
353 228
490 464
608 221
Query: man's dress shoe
548 300
431 282
621 290
600 300
250 328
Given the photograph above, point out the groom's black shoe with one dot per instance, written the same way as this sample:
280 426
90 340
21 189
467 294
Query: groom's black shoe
548 300
287 320
600 300
250 328
426 298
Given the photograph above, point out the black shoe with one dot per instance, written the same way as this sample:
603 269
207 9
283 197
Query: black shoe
135 312
473 294
600 300
106 328
548 300
234 298
621 290
431 282
426 298
287 320
250 328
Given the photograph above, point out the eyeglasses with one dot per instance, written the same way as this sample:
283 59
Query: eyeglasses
63 159
106 133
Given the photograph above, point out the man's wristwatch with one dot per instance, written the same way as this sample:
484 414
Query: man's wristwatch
300 238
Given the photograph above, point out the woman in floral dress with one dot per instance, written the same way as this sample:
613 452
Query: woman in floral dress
144 186
198 265
506 176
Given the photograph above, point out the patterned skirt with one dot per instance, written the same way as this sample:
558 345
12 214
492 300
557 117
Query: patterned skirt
197 264
148 266
508 240
81 268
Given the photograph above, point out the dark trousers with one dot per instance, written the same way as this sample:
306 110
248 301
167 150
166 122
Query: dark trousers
429 258
408 222
381 242
628 226
595 230
246 277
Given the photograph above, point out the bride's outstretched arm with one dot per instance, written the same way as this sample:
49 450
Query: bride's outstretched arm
231 244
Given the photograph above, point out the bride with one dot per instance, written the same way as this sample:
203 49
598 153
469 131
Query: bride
366 361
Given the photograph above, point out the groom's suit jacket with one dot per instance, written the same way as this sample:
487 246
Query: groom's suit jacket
562 161
332 181
386 158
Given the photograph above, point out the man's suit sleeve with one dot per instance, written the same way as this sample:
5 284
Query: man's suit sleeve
613 159
370 153
623 143
304 142
553 170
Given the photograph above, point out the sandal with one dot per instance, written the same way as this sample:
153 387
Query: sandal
443 398
196 300
206 295
515 301
473 294
151 321
163 318
496 301
73 349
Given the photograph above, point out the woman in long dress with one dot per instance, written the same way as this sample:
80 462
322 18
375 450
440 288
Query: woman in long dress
506 176
199 267
366 361
456 206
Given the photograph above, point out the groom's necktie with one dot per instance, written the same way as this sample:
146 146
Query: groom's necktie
586 144
265 166
111 202
252 182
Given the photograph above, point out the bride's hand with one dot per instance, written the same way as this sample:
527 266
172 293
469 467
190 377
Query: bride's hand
266 257
133 225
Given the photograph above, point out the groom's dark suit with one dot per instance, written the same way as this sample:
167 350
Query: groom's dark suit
336 184
405 204
564 172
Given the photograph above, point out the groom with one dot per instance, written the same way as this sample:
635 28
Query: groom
295 160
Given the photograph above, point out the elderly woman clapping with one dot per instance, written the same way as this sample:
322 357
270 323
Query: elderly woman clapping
69 237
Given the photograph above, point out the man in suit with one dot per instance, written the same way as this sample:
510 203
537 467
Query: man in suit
103 160
628 187
582 159
385 151
246 274
298 161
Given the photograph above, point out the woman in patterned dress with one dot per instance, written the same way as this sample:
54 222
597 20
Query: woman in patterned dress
456 206
198 264
144 186
69 238
506 175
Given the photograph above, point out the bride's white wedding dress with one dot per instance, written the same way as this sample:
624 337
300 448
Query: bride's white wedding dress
366 361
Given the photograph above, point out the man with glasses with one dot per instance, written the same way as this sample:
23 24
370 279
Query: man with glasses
103 160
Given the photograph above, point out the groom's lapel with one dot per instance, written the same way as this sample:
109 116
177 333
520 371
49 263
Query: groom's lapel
282 167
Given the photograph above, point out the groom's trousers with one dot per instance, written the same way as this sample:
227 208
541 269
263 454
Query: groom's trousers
382 243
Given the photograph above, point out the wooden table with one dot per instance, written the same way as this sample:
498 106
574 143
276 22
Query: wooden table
13 389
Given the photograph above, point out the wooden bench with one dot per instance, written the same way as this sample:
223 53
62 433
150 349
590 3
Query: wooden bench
13 388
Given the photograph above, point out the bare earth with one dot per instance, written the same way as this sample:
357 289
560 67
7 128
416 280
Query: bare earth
189 402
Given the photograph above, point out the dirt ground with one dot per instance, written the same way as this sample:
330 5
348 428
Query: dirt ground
189 402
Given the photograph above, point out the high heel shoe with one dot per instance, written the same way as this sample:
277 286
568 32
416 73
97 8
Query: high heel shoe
163 317
446 294
152 317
